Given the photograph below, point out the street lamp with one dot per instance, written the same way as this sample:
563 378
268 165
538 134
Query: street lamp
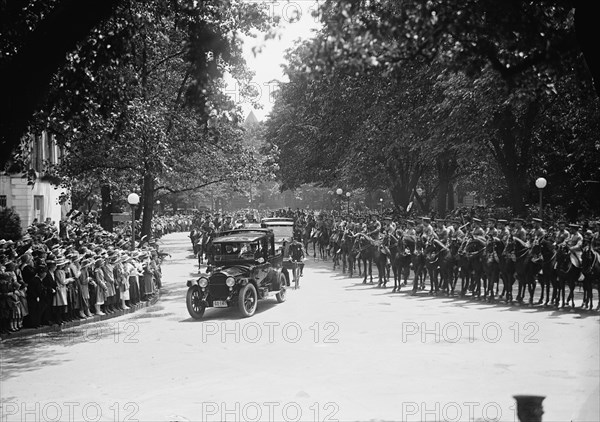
158 206
133 199
540 183
381 206
348 198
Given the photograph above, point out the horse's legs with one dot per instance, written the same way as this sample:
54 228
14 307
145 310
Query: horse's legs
370 270
531 285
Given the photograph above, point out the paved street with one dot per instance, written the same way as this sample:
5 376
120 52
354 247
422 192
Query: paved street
336 350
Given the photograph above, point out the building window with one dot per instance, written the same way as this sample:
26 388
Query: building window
51 156
3 201
38 208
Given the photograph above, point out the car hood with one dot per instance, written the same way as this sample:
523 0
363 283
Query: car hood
233 271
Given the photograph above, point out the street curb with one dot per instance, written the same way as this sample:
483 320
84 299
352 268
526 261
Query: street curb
55 328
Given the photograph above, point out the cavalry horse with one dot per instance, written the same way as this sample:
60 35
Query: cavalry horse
307 234
525 269
202 246
368 252
433 251
548 276
400 256
415 245
335 245
567 274
322 239
471 265
590 266
493 252
347 256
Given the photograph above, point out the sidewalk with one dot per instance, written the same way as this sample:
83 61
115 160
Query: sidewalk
29 332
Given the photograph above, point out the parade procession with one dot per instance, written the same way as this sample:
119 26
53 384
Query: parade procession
299 211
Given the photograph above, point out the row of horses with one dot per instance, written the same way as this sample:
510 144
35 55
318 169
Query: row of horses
481 264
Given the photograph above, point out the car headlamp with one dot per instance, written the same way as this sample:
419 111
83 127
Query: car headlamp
203 282
230 281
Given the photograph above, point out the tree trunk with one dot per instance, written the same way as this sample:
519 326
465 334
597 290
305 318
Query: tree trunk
148 204
401 196
441 197
516 191
451 205
107 207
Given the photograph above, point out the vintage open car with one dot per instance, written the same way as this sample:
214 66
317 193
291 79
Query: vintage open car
246 268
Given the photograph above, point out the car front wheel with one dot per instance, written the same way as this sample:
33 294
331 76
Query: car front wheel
247 300
282 293
194 302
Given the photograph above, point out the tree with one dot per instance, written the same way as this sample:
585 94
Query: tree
140 102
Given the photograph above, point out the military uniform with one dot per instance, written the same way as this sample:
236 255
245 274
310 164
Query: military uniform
575 245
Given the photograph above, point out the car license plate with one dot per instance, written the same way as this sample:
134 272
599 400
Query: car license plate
220 303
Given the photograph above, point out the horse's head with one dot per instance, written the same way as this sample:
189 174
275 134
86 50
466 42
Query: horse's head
590 261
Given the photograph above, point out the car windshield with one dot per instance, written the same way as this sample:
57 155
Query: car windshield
282 232
237 250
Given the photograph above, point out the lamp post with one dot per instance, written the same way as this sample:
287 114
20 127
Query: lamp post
158 206
340 192
381 206
541 183
133 199
348 198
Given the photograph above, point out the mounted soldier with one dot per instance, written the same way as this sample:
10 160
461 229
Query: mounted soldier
562 233
410 228
428 232
491 230
503 230
477 231
227 225
575 244
537 232
519 232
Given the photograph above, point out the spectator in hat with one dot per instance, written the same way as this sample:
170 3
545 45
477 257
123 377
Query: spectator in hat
109 280
84 287
133 274
59 301
36 297
49 284
100 286
122 280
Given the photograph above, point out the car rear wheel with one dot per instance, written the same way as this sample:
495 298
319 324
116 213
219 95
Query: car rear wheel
247 300
282 293
194 303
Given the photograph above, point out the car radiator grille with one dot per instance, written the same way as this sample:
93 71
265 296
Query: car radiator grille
217 287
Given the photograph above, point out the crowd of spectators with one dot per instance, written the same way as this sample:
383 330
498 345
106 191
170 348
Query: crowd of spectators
73 270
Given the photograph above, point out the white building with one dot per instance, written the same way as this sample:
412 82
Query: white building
41 200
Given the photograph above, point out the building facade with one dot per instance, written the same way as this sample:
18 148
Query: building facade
38 201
